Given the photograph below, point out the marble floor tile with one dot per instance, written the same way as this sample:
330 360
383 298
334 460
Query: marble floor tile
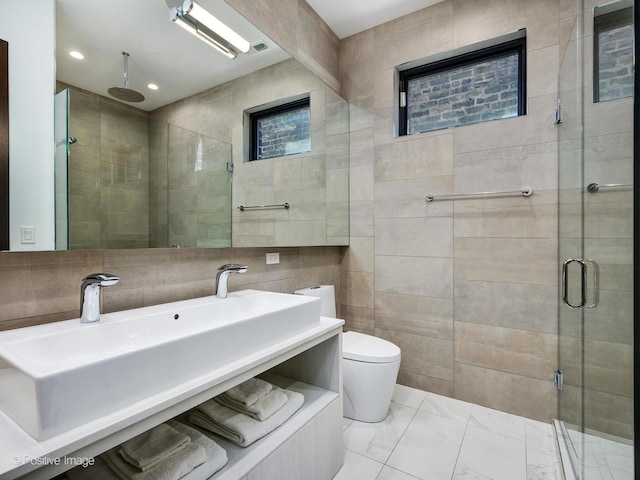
497 422
358 467
432 437
488 455
446 407
410 397
377 440
389 473
429 447
543 460
346 422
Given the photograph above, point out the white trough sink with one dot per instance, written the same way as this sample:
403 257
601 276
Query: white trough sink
59 376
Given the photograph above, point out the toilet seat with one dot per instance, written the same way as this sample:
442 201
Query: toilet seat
365 348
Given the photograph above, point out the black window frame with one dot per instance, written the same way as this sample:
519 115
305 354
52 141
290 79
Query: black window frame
518 45
254 117
607 21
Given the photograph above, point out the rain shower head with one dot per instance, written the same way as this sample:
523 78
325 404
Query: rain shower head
125 93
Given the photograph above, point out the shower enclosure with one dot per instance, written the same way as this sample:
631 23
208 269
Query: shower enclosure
124 179
596 338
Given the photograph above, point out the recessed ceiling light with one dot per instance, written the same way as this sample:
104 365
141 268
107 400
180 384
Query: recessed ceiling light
76 55
152 86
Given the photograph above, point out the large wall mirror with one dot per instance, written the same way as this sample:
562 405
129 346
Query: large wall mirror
174 169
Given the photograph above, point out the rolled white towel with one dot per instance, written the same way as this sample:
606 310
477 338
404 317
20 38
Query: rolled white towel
238 427
262 409
249 391
146 450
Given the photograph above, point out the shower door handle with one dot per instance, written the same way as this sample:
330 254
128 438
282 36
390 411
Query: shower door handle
596 284
583 281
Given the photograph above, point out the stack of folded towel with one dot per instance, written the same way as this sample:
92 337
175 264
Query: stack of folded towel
169 451
247 412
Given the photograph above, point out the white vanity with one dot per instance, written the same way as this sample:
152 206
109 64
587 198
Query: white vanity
70 391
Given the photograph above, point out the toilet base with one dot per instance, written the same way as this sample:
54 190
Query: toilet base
368 388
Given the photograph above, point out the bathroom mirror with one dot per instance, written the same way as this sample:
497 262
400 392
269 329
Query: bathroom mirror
171 170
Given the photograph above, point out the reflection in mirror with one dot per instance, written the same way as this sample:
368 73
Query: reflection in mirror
169 206
125 180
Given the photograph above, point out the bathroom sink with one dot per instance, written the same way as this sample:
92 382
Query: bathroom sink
59 376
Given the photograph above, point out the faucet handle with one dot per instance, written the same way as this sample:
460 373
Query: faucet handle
102 279
233 267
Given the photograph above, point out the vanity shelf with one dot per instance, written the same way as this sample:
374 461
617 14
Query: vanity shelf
308 362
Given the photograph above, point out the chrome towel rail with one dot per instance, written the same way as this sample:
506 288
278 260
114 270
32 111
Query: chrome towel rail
594 187
525 192
278 205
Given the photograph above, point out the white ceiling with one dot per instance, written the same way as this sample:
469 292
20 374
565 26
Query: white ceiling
164 54
160 52
348 17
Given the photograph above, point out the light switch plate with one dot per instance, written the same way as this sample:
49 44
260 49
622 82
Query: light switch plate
273 258
27 234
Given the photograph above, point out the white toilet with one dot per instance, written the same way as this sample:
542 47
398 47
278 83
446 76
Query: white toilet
370 366
370 370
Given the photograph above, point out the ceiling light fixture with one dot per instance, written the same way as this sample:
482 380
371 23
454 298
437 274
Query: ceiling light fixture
197 21
77 55
152 86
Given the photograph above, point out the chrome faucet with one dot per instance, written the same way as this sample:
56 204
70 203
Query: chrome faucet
222 277
90 295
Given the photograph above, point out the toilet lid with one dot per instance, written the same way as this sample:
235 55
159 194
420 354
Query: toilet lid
365 348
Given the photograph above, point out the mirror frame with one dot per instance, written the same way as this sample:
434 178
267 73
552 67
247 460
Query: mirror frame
4 145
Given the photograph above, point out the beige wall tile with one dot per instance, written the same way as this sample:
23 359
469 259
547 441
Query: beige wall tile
535 216
511 305
361 183
518 260
536 127
426 316
426 383
609 413
415 237
359 257
431 357
428 156
424 276
357 288
511 168
359 319
526 353
529 397
542 68
406 197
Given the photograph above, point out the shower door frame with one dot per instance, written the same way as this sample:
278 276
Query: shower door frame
580 410
636 244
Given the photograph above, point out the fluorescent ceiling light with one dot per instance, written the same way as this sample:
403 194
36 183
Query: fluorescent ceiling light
152 86
195 19
77 55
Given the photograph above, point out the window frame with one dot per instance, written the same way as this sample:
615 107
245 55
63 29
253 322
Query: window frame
516 45
607 21
257 115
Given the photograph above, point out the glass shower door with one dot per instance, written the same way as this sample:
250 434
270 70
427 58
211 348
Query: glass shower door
596 241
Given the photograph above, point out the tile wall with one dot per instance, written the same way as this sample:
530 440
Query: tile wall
467 289
314 183
42 287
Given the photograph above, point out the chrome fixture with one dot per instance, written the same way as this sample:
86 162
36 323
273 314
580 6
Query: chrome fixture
524 191
594 187
90 295
222 277
125 93
285 205
199 22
